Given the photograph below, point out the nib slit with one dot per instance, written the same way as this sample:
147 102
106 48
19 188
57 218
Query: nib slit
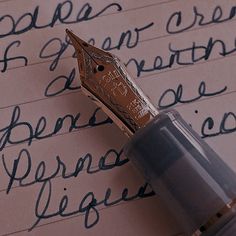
76 42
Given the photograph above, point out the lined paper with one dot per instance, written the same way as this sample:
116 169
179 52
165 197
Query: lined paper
62 169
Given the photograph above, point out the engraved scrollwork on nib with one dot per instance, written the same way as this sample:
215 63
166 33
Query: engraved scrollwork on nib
108 82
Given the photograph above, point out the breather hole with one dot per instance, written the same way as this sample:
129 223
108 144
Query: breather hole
100 68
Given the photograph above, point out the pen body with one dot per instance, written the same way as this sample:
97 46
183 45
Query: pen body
187 174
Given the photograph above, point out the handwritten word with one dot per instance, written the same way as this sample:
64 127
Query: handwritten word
39 131
23 165
227 125
176 96
60 46
176 24
62 14
67 84
185 56
129 39
6 59
87 206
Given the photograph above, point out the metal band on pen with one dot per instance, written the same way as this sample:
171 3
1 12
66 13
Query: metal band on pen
215 218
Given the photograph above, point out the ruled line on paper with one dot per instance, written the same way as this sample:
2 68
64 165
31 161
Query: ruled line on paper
35 63
6 1
119 12
95 166
68 218
130 9
58 176
150 5
39 100
160 72
53 136
84 129
141 77
79 91
185 67
87 128
32 118
84 170
199 28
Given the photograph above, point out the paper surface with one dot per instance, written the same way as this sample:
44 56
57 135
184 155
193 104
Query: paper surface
62 171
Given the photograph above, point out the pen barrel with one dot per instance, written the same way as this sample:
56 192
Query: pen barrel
194 182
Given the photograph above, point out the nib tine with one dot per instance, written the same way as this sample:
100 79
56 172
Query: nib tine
71 35
77 42
68 31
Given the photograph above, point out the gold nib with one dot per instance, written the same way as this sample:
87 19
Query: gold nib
105 79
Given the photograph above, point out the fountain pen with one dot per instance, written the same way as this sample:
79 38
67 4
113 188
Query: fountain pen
189 177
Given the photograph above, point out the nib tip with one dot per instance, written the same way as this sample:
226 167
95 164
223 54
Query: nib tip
68 31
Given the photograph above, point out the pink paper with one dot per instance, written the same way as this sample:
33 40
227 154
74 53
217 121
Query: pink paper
62 170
